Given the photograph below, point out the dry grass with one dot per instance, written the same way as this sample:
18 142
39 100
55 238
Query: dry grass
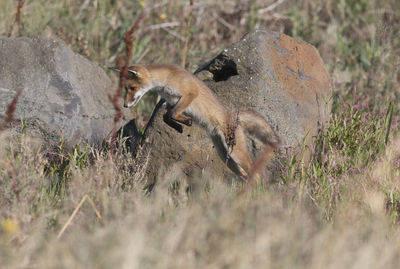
213 227
340 211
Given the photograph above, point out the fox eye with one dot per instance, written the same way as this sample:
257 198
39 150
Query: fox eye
132 88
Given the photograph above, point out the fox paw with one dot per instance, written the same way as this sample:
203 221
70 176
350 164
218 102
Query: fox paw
177 127
187 122
172 123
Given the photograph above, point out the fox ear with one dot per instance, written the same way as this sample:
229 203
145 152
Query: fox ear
114 68
132 74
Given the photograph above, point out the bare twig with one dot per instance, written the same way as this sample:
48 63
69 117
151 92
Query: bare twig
17 18
85 197
10 110
189 21
173 33
163 25
271 7
122 77
230 138
11 27
143 55
224 22
231 133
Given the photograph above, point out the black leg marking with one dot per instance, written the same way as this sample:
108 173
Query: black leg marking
172 123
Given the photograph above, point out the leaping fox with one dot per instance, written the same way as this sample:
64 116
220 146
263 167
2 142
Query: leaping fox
190 100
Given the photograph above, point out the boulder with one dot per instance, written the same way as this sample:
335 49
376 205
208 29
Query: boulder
281 77
62 92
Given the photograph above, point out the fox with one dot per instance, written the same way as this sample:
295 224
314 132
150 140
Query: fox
189 100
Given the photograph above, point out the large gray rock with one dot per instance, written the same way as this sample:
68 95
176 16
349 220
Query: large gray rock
62 92
282 78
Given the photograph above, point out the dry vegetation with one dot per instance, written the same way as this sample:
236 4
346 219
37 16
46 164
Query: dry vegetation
340 211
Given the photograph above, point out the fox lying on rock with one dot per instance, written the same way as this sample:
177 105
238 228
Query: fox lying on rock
190 100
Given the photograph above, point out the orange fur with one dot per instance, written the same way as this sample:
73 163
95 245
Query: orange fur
189 99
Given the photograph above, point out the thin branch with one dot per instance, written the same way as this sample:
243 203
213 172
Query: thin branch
85 197
188 32
224 22
271 7
173 33
18 16
10 110
143 55
163 25
122 77
17 19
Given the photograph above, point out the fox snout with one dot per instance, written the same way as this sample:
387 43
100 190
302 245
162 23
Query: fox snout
130 99
130 102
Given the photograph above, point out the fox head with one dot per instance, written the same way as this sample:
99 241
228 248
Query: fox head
137 84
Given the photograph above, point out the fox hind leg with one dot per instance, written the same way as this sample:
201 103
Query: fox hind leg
240 154
236 158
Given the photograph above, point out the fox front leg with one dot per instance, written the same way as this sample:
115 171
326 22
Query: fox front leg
175 112
172 123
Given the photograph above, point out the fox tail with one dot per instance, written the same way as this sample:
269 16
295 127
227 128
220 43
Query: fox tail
255 126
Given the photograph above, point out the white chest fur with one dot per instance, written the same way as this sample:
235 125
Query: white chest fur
170 94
